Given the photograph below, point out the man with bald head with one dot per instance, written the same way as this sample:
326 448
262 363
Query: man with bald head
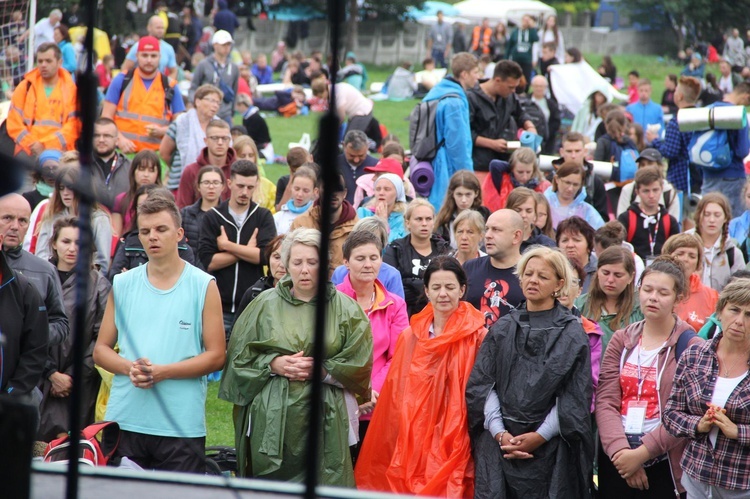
14 223
539 106
493 287
167 59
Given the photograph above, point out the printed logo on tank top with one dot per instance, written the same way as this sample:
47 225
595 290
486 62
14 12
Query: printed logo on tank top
493 302
186 326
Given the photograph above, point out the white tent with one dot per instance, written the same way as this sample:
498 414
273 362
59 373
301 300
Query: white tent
573 83
502 10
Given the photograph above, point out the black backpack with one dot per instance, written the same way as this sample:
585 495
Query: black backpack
422 130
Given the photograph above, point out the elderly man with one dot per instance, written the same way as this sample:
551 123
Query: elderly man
546 110
167 59
44 30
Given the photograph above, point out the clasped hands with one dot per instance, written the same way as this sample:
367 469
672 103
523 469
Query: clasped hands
144 374
295 367
520 447
717 416
629 464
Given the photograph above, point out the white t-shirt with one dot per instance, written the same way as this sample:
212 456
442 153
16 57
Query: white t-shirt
350 101
723 389
44 32
725 84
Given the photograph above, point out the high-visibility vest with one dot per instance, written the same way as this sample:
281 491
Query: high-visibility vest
486 38
139 108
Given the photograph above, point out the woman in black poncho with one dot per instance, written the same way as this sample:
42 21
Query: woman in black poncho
530 392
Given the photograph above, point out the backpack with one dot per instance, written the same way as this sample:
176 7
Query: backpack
168 89
422 130
633 222
710 149
536 116
624 164
682 342
90 450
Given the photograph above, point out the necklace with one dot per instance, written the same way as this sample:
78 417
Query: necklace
727 370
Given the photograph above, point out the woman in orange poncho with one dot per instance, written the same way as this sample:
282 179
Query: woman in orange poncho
418 440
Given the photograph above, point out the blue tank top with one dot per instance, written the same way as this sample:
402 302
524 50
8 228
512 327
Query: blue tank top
165 326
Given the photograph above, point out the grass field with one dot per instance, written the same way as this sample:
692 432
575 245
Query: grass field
393 115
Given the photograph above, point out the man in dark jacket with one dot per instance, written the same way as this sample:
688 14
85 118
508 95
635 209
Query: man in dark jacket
23 322
225 18
233 237
495 115
573 151
353 161
111 170
14 222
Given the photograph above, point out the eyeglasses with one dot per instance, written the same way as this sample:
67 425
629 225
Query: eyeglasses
211 101
211 183
219 139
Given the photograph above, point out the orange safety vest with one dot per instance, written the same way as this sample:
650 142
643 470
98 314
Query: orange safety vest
139 108
486 39
34 117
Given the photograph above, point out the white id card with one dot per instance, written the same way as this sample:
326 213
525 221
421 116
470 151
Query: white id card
635 417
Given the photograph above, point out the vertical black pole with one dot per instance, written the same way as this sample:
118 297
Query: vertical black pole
87 102
329 148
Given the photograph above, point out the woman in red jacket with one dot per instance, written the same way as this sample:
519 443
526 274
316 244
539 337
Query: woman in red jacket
637 457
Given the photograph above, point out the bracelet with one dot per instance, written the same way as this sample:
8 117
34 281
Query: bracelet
502 434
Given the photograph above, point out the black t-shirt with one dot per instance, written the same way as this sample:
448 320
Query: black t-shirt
492 291
281 187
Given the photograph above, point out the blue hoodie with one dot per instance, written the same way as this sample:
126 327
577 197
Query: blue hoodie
579 207
452 124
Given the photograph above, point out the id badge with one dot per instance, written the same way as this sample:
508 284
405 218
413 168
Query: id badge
635 417
649 260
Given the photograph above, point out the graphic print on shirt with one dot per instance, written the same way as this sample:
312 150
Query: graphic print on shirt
629 384
493 302
418 266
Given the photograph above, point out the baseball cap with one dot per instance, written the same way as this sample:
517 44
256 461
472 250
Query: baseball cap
387 165
148 44
221 37
650 154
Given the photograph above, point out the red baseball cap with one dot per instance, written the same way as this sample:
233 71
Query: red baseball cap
148 44
387 165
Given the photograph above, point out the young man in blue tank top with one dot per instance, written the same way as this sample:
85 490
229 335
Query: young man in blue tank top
166 318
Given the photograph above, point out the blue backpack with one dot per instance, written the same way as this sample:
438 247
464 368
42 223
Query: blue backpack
710 149
624 159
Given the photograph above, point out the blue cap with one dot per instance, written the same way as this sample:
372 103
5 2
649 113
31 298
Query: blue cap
50 154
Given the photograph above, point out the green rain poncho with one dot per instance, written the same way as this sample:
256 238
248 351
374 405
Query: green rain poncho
274 411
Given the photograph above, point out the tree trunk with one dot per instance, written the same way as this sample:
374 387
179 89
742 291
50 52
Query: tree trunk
351 27
677 23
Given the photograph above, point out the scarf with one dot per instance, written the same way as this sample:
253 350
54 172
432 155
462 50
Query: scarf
189 137
398 184
297 209
44 189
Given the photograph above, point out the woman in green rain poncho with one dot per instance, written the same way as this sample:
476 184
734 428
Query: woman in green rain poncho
269 367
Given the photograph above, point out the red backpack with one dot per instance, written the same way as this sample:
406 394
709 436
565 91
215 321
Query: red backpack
633 220
91 451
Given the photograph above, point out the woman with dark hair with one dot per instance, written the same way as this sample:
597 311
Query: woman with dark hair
550 33
62 39
614 145
667 98
57 380
64 202
530 393
276 271
711 94
464 193
144 170
209 184
567 197
425 390
44 177
710 403
499 41
611 301
608 69
573 55
575 238
637 457
721 256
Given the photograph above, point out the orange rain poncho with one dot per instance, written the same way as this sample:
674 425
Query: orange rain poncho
418 440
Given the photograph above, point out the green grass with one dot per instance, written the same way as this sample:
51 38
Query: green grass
393 115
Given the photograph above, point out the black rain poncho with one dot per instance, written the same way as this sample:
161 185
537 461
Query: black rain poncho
534 360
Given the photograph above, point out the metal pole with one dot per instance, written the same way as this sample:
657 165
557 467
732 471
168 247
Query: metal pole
87 89
329 148
30 39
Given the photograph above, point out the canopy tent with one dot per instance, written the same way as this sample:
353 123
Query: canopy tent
573 83
502 10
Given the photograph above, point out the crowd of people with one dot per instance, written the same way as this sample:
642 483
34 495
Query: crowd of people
478 331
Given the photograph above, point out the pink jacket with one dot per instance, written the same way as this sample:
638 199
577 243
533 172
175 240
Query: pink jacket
609 396
388 319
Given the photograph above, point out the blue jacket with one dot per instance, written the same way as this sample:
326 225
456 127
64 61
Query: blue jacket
452 124
388 275
579 207
739 227
68 56
395 222
225 18
647 114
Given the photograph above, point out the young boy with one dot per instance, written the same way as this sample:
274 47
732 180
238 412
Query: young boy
548 58
646 112
669 197
296 157
633 78
647 222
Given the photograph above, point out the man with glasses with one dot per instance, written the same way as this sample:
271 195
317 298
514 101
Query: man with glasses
233 239
217 152
143 101
111 167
